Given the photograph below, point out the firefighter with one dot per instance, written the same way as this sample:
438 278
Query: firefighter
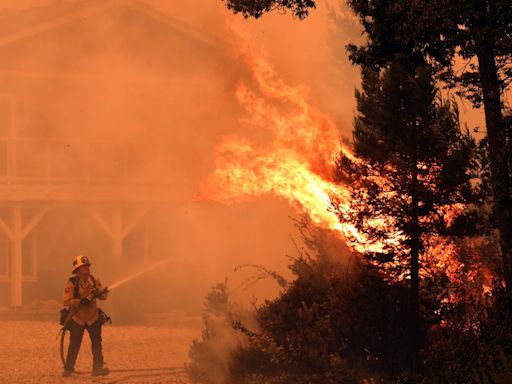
80 295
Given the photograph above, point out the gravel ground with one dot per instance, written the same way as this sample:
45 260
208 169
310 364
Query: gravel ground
29 353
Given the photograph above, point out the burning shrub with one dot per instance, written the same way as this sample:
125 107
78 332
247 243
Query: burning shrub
340 321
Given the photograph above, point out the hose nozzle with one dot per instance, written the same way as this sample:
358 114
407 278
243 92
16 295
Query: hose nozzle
100 292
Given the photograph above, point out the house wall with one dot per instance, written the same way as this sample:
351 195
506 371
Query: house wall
117 99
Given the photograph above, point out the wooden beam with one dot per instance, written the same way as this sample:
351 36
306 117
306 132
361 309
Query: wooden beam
134 221
117 230
6 229
185 28
83 14
16 260
56 23
32 223
101 222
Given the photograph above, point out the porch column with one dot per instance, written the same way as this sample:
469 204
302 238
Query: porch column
116 228
17 233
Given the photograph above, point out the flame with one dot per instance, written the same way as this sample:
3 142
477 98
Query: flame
296 164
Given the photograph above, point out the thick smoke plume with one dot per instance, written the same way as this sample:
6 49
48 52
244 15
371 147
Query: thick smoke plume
150 88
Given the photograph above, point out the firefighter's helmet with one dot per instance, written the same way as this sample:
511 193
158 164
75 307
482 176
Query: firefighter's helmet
79 261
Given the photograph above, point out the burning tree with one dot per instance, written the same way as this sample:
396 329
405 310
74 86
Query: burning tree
395 203
335 322
413 183
441 32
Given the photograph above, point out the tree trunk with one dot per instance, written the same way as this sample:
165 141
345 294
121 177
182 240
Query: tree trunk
414 234
497 153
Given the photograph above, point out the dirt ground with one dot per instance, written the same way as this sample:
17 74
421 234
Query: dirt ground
29 353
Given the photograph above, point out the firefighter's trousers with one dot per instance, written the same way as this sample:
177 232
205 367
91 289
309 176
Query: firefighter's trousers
77 333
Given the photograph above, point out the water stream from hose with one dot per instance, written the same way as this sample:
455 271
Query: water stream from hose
138 273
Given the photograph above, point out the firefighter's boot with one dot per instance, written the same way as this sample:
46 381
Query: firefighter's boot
100 371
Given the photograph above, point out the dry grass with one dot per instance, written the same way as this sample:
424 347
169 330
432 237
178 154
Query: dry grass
29 352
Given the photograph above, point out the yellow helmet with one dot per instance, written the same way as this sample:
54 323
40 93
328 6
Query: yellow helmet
79 261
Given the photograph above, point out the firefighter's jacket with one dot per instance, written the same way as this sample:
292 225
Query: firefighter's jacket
83 313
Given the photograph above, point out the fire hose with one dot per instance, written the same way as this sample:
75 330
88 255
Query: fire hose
72 312
96 294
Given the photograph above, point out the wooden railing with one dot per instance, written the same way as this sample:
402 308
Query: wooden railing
68 165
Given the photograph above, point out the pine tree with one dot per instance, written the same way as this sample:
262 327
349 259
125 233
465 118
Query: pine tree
439 31
418 157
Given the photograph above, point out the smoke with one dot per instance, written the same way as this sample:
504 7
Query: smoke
148 88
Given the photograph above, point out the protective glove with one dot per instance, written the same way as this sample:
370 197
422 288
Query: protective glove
101 294
84 301
74 303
